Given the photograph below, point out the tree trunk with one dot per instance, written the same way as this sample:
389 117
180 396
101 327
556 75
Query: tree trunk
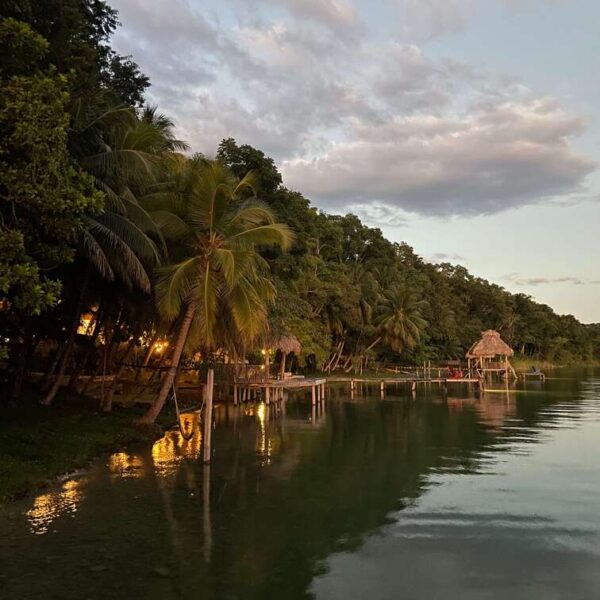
339 356
158 404
22 356
111 392
377 340
282 367
47 381
88 352
100 364
49 397
147 358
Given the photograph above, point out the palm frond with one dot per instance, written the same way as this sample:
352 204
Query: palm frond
274 234
175 284
171 226
122 259
93 252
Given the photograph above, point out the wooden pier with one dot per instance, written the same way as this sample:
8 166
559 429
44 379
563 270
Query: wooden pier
479 382
534 375
273 389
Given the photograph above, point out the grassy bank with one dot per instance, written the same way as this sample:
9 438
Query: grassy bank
525 363
38 443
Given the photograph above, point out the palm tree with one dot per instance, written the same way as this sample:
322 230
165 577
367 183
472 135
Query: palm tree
123 152
401 321
219 287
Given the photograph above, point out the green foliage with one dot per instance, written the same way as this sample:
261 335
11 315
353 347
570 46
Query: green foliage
91 181
344 278
78 33
42 194
20 48
214 231
21 285
244 159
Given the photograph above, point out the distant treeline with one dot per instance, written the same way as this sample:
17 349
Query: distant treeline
334 283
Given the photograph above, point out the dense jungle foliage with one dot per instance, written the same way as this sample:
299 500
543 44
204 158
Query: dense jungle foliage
108 220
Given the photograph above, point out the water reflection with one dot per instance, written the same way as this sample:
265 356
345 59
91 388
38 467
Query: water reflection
122 464
494 496
48 507
172 448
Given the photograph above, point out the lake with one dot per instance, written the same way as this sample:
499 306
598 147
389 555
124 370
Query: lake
420 497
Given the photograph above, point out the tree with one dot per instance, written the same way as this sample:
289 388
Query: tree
78 34
219 286
244 159
123 152
400 323
44 197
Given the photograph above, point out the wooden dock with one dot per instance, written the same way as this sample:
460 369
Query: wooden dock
273 389
534 375
479 382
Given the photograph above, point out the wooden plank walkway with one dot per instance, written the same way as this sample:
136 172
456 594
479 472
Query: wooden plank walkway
413 381
273 388
533 375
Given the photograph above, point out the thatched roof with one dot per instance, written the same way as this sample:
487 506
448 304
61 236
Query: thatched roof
286 343
490 345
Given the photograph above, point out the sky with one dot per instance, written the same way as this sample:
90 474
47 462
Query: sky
469 129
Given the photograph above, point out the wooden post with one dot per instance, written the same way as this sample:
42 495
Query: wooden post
235 394
313 395
206 518
382 388
210 379
267 395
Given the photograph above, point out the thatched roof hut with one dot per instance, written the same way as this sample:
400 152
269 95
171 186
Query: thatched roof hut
286 344
489 346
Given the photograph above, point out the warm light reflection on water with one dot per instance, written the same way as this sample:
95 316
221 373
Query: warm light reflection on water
172 447
122 464
491 495
48 507
268 440
167 452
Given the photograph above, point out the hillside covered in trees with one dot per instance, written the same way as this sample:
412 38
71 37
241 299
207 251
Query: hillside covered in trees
105 214
341 277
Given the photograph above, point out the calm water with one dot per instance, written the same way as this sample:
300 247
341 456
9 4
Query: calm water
380 499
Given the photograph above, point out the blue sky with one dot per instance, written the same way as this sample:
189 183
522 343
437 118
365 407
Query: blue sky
468 128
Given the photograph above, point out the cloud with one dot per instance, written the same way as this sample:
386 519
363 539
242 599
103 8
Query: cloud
496 156
378 214
332 13
377 126
443 257
521 280
425 19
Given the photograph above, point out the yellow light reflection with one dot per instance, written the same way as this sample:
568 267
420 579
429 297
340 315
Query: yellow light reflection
48 507
264 444
122 464
172 447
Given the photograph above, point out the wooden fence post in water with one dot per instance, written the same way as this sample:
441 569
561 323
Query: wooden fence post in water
210 379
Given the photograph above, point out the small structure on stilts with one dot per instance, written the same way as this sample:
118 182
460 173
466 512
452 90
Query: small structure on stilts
286 344
259 379
490 355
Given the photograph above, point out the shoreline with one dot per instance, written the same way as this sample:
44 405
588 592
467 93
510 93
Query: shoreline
42 445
